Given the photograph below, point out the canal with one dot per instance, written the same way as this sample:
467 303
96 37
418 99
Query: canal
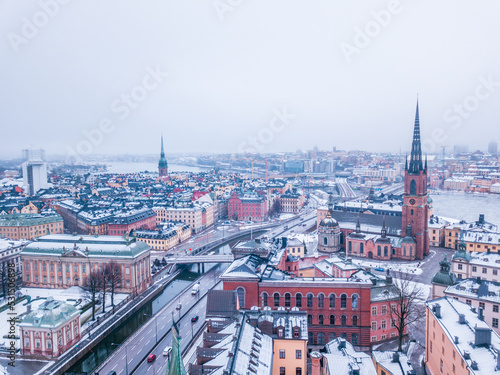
102 350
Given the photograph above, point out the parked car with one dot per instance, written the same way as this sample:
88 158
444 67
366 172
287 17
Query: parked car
151 357
194 319
379 269
167 350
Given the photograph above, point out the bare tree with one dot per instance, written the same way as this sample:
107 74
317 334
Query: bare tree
405 301
92 286
4 279
103 286
114 273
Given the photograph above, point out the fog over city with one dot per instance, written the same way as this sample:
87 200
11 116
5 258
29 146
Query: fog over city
226 76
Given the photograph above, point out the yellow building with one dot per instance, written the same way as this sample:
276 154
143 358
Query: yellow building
295 247
290 356
29 226
171 235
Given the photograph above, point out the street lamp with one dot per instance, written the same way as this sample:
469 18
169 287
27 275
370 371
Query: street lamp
156 325
126 355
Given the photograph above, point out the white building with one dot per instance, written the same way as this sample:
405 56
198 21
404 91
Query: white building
34 171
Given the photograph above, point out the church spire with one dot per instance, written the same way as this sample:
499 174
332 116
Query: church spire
162 154
416 148
175 365
162 163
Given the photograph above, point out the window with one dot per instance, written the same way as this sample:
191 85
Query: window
241 296
309 300
276 298
383 310
354 339
282 371
468 302
485 270
494 323
343 301
298 354
495 308
379 250
361 248
343 320
331 336
321 338
441 365
374 310
430 346
355 299
310 338
264 299
282 353
355 320
321 319
298 300
321 300
383 324
413 188
481 305
332 301
474 269
460 267
332 320
309 320
287 299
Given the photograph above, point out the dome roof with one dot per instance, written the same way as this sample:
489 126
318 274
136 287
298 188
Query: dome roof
328 222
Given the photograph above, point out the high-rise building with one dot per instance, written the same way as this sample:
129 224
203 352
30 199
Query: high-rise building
415 207
162 163
493 148
34 171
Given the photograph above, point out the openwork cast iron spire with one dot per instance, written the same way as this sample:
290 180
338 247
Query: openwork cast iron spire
163 160
416 148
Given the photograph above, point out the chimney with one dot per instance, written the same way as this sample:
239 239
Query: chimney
456 339
315 363
342 344
461 318
473 365
388 279
374 281
437 310
482 336
395 357
466 354
481 219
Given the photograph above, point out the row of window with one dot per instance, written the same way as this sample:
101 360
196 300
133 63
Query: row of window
298 299
319 339
343 320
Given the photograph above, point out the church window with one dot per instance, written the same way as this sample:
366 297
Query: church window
361 248
379 250
413 187
325 241
386 251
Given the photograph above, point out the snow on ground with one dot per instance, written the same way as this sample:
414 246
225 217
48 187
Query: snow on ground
39 295
286 216
405 267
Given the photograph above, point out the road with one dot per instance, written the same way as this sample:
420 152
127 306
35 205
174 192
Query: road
131 353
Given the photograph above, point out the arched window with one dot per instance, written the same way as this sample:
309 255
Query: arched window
343 335
424 186
241 297
379 250
309 300
264 299
355 320
361 248
332 301
404 250
276 297
309 320
411 251
354 339
343 301
350 246
355 299
321 320
321 300
386 251
325 241
332 320
321 338
331 336
287 299
343 320
413 187
298 300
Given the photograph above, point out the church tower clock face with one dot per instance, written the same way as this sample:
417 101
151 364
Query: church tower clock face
412 201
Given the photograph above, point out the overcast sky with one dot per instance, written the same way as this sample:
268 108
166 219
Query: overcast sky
238 75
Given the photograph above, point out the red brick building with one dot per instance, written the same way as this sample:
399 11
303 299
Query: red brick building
336 307
247 207
144 218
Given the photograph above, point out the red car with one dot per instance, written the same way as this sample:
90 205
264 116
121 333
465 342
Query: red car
151 357
194 319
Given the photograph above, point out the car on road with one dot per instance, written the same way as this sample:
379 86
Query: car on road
194 319
112 373
151 357
167 350
178 307
379 269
